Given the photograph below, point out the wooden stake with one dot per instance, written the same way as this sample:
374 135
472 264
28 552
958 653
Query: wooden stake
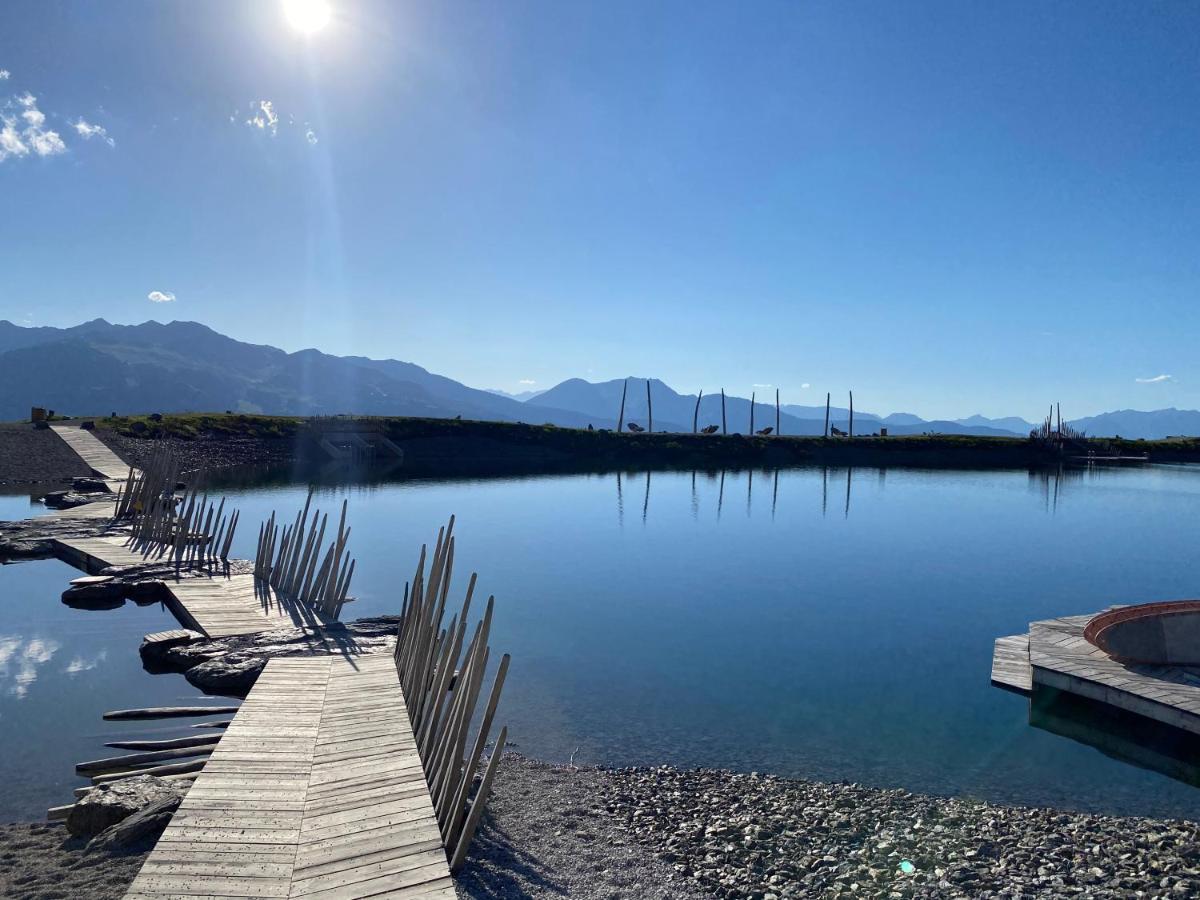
826 414
723 430
696 414
778 430
621 415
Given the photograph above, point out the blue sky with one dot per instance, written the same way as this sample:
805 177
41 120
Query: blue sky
947 207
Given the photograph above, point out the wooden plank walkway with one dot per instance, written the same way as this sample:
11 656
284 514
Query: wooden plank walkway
1010 663
314 791
216 605
222 605
93 451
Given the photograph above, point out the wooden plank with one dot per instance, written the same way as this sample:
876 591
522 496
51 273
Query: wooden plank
1010 663
95 454
315 791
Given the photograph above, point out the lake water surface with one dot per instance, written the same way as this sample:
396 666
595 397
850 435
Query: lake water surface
819 623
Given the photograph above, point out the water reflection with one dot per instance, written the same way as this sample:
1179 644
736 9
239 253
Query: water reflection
19 661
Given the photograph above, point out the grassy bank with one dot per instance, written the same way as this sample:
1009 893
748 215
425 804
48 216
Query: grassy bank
435 445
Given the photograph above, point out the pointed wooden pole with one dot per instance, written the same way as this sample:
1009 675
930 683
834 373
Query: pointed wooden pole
621 415
778 431
696 414
723 429
752 414
649 409
826 414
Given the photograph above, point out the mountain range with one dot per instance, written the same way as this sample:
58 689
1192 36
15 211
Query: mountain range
98 367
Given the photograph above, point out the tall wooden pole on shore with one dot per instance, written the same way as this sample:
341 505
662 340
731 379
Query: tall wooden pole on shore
850 430
778 431
621 417
696 414
752 412
649 409
826 414
723 430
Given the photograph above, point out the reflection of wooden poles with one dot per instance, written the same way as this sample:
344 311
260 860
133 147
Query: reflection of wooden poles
696 414
826 414
723 429
777 431
752 413
850 431
621 416
649 409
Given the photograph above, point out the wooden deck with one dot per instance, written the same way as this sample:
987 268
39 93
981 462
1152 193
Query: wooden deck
1010 663
216 605
314 791
1058 656
221 606
93 451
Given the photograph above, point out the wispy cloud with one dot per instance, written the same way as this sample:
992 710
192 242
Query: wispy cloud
160 297
26 132
5 74
263 117
526 381
85 664
762 385
19 660
806 385
1157 379
88 131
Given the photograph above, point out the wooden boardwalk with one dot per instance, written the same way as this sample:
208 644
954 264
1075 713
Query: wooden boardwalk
1057 655
215 605
93 451
222 605
315 791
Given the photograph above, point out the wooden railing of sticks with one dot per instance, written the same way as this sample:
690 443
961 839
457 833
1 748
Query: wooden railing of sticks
191 530
441 685
287 560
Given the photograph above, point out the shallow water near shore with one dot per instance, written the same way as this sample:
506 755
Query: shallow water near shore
830 624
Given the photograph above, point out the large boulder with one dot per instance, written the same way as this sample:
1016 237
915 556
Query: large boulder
110 803
139 829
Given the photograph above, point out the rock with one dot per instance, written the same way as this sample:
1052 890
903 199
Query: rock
67 499
143 827
89 485
110 803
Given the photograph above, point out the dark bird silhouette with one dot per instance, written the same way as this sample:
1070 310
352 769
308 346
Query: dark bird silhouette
635 427
763 432
709 429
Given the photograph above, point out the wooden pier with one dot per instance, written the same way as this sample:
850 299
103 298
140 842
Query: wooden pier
214 604
1055 654
93 451
316 790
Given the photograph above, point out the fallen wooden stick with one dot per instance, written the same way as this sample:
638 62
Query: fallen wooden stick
137 759
224 724
173 769
168 712
172 744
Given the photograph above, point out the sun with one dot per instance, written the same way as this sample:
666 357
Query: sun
307 16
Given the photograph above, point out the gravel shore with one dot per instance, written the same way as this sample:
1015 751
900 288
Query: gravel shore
601 834
29 455
201 452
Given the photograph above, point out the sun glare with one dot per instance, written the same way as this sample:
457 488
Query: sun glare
307 16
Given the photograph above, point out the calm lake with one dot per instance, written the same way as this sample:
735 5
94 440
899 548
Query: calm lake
830 624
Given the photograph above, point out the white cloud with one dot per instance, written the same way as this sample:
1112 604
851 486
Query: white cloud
17 139
88 131
4 74
806 385
264 117
762 385
310 136
160 297
1155 380
526 381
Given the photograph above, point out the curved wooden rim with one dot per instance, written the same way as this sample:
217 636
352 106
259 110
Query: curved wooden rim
1095 630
